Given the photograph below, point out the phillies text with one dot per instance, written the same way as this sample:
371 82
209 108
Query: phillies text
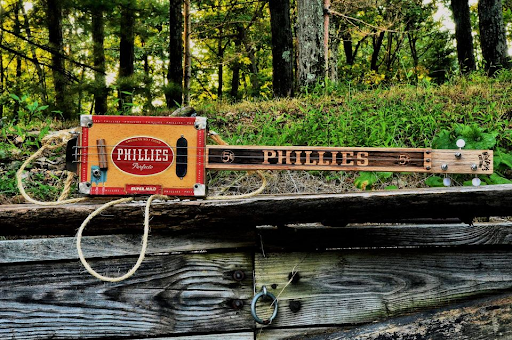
304 157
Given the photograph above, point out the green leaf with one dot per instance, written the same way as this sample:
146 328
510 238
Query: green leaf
391 187
365 180
434 181
497 179
15 97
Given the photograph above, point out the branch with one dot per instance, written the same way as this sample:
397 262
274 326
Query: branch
67 74
52 51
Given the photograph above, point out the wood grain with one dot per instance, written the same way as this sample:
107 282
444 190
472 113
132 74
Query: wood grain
353 287
478 320
62 248
460 202
169 294
223 336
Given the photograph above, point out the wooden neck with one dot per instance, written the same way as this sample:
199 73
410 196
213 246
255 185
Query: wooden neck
229 157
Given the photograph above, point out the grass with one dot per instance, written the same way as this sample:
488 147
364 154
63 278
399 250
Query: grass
474 107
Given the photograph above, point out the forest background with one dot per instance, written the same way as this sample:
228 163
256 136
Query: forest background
317 72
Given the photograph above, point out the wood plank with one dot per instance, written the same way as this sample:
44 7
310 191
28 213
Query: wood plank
479 320
223 336
61 248
333 209
317 236
353 287
169 294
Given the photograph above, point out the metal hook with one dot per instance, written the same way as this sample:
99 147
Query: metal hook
263 292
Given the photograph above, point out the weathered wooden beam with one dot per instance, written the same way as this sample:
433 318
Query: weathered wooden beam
103 246
318 237
171 294
223 336
360 286
333 209
476 320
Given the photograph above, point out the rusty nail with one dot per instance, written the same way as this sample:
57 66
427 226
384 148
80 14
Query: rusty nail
238 275
295 306
237 304
428 160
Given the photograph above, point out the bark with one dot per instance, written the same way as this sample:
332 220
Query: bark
347 47
377 43
465 52
126 55
310 41
492 35
235 67
17 30
282 48
253 76
148 81
54 23
188 54
39 69
220 69
335 40
174 91
98 37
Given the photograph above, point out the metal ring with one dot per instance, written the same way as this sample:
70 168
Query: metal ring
263 292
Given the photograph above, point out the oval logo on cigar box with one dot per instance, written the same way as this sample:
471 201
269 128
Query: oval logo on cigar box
142 156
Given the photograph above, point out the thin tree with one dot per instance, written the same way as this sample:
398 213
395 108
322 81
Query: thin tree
54 25
463 36
187 75
492 35
126 55
282 48
98 38
174 89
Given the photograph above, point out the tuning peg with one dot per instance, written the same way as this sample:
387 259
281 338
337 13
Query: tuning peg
476 182
447 181
461 143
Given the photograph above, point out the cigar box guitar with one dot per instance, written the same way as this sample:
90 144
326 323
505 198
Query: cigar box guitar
127 155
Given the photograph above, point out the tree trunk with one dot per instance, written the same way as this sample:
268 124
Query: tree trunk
335 40
253 76
282 48
98 37
310 32
39 70
188 54
235 67
377 43
492 35
54 23
126 56
465 53
220 69
148 81
347 47
17 31
174 90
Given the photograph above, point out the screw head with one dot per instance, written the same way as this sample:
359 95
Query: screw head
474 167
444 167
238 275
458 155
237 304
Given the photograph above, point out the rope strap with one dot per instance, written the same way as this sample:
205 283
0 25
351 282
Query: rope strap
144 238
